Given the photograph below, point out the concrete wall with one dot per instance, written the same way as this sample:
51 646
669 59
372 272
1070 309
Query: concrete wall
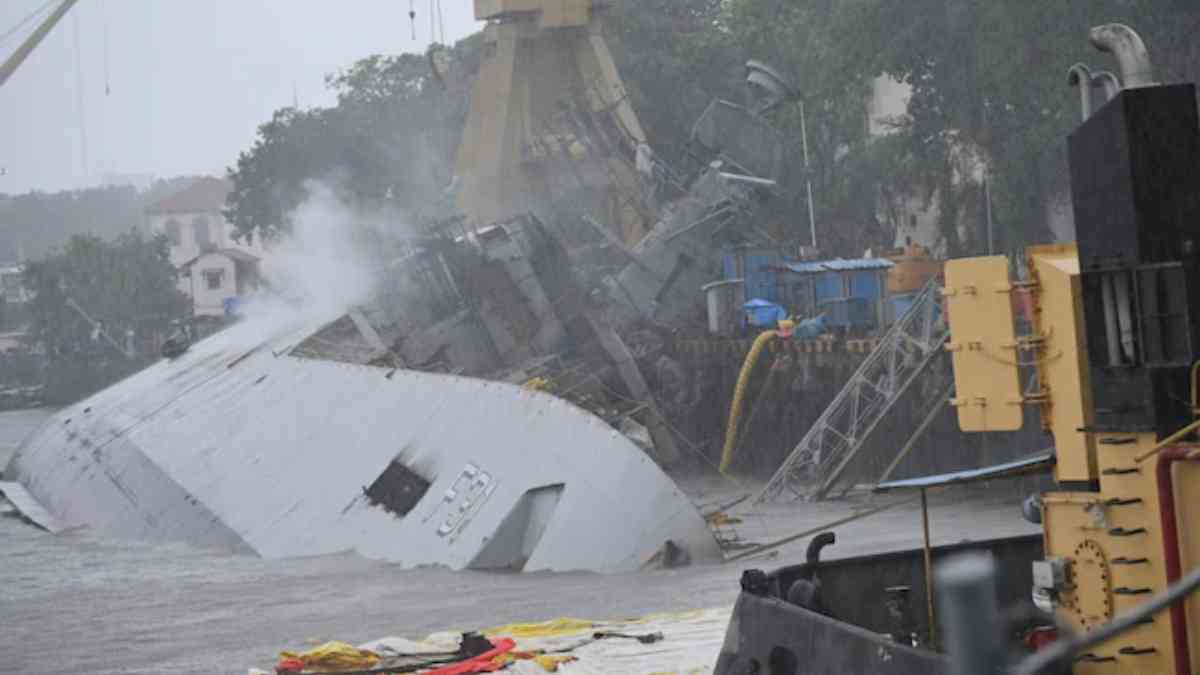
187 248
208 301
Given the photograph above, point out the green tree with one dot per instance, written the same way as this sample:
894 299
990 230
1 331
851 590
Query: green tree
674 59
127 284
988 81
389 140
993 75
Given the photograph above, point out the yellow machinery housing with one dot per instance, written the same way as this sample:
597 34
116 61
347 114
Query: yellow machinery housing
550 124
1104 543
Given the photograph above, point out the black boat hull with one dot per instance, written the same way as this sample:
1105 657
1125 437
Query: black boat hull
851 634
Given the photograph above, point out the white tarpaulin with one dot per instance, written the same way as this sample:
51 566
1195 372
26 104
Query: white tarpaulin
683 643
690 644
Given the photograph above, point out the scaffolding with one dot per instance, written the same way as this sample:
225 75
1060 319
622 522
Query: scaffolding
901 358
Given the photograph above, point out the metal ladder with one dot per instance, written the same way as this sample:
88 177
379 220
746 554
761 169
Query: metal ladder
903 354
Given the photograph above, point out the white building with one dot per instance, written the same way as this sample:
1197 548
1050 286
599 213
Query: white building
217 277
12 286
214 268
916 217
13 298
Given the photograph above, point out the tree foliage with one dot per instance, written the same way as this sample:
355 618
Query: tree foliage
993 74
127 284
987 79
389 141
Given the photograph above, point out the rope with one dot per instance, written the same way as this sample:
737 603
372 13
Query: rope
83 146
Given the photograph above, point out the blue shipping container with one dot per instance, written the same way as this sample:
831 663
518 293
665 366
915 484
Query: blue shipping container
900 305
761 279
829 286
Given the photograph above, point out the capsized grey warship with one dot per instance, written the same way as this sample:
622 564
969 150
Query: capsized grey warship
376 432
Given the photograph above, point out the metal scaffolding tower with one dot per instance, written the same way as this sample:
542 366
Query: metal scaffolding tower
904 353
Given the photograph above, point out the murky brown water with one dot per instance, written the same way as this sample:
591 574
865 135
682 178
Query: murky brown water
81 603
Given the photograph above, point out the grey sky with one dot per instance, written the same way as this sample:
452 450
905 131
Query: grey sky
190 80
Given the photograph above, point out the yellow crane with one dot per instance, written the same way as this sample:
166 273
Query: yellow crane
548 96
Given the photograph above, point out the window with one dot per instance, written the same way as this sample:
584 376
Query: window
397 490
202 233
174 232
213 279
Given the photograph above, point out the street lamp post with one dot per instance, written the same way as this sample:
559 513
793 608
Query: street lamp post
812 219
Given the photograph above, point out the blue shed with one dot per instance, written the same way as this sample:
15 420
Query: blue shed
850 292
759 268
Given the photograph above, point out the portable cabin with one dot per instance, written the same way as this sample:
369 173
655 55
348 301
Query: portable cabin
851 293
759 270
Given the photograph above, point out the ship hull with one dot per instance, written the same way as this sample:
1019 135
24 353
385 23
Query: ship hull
241 446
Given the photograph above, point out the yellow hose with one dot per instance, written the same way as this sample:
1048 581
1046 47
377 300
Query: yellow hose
739 392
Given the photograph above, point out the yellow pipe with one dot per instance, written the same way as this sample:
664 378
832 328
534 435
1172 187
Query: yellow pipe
1173 438
1182 432
739 391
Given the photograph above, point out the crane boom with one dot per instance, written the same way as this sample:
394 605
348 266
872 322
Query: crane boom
10 66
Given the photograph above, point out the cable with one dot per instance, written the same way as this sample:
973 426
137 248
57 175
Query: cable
1065 648
105 34
441 22
30 17
79 97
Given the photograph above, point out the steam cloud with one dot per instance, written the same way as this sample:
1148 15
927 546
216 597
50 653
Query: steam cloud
321 267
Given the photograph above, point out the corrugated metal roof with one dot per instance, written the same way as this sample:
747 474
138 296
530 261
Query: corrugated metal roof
1020 467
839 265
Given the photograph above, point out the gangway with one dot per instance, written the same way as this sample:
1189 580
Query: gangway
903 355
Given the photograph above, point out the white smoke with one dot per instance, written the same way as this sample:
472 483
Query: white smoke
321 266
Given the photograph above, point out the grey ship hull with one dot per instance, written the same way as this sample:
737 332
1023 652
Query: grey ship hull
239 445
